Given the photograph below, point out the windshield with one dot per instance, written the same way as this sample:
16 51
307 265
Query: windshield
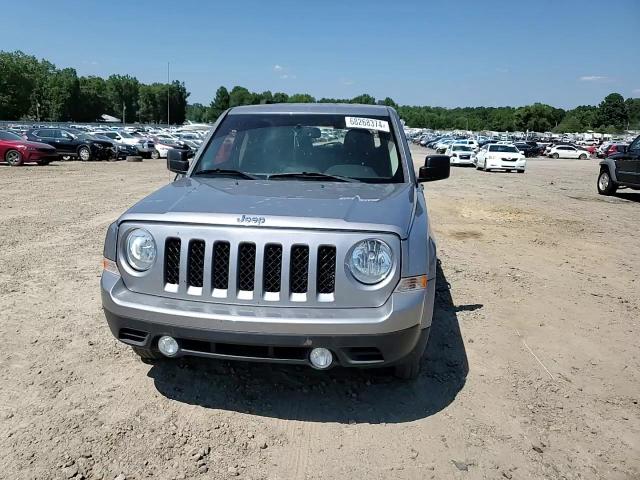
125 135
463 148
503 148
9 136
268 144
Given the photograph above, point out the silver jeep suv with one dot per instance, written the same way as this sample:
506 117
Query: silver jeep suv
298 234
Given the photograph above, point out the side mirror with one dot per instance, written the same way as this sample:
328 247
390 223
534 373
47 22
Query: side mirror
177 161
436 167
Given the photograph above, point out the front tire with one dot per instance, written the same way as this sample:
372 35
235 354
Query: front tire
409 369
84 153
582 157
555 156
155 154
606 186
13 158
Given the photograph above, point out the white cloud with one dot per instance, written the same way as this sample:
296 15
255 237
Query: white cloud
348 82
277 68
636 91
593 78
288 76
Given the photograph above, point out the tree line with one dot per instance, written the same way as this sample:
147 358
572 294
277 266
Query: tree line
32 89
613 114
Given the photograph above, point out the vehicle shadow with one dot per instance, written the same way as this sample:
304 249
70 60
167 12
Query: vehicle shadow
340 395
632 197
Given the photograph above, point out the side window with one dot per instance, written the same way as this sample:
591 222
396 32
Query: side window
48 133
635 146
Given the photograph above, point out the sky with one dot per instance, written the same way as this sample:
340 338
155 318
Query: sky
440 53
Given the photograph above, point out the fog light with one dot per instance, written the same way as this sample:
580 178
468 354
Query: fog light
168 346
320 358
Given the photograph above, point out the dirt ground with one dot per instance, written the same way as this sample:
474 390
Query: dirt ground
532 370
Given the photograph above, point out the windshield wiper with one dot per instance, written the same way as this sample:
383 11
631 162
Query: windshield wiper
226 172
312 176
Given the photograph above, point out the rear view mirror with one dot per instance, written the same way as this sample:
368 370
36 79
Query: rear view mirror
436 167
177 161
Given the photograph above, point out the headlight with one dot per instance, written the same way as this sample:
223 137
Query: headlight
97 145
370 261
141 249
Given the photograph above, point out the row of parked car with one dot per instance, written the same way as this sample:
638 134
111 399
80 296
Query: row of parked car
529 148
44 144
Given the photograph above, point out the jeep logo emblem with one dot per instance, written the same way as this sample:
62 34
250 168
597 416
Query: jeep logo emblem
246 219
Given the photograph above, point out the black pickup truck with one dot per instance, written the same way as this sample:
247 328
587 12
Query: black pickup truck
620 170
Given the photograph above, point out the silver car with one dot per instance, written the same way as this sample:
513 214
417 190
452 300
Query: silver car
298 234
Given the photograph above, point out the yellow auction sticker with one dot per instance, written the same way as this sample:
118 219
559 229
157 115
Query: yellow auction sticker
368 123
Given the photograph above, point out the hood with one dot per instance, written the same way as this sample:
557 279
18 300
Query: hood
281 204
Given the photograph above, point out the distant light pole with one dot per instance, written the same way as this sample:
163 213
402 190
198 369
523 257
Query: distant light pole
168 92
38 110
124 113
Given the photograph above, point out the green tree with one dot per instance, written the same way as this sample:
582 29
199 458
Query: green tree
242 96
23 81
219 104
93 99
63 95
612 113
388 102
537 117
364 99
266 97
123 91
633 110
148 107
196 112
301 98
280 97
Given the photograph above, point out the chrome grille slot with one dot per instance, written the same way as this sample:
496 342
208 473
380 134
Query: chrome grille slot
220 267
299 273
172 261
195 267
326 271
272 268
246 266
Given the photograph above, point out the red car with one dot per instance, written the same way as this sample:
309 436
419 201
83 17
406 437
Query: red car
15 150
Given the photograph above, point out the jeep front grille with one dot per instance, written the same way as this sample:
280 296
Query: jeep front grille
246 277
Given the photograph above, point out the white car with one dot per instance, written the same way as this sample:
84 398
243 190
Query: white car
460 154
500 157
567 151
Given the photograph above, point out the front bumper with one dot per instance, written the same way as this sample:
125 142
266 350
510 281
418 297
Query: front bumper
505 165
357 336
42 156
461 161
